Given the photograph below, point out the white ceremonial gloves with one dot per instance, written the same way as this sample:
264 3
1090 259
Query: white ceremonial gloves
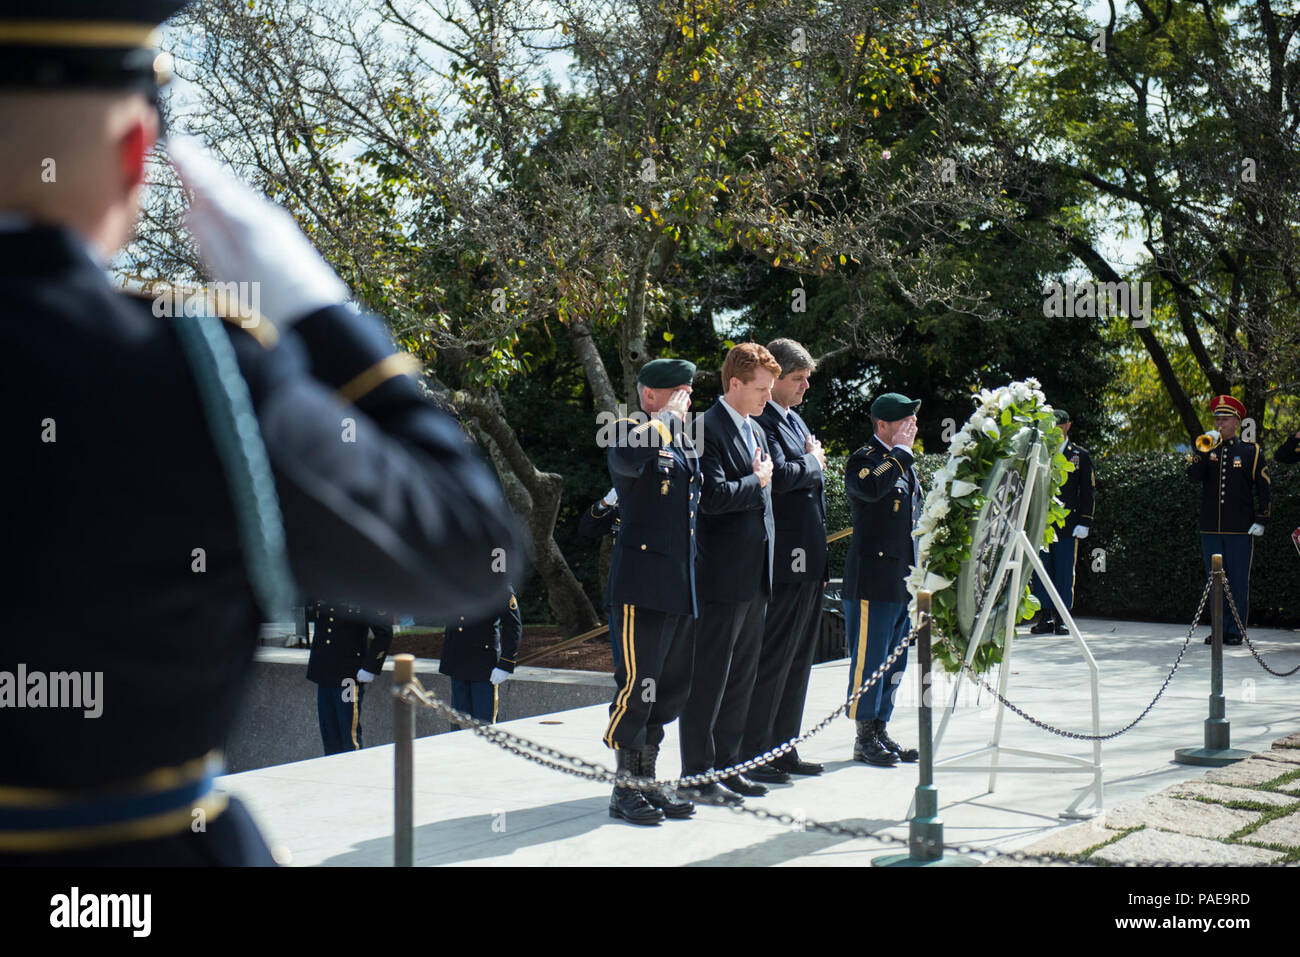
244 237
610 499
1256 529
498 676
364 676
1081 531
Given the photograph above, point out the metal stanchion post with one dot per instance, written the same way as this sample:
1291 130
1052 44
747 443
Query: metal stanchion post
404 761
1217 751
925 830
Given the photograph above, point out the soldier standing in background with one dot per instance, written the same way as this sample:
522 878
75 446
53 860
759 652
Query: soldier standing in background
1078 494
478 656
347 653
1235 497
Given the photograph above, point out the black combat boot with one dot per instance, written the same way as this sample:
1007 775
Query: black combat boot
665 800
906 755
629 803
869 750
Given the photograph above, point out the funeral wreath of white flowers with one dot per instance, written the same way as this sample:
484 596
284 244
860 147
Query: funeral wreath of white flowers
985 461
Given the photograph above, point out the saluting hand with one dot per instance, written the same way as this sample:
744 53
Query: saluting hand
906 433
762 468
677 405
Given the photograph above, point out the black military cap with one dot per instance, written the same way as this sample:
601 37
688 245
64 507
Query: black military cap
666 373
1061 416
893 406
73 44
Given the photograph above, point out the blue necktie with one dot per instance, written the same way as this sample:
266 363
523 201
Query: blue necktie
800 429
749 434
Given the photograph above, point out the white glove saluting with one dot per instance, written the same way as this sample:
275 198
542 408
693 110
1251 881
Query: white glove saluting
1081 531
244 237
498 676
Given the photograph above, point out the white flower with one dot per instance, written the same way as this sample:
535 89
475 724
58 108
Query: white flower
925 525
934 583
962 488
1004 398
940 508
991 429
944 475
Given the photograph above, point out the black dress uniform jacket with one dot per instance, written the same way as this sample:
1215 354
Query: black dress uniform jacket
1289 452
737 533
341 643
798 499
471 649
1235 487
885 499
1079 493
656 472
112 483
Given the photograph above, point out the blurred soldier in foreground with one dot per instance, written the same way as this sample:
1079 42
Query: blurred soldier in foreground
799 571
656 471
1235 496
885 499
1078 494
477 655
164 476
347 653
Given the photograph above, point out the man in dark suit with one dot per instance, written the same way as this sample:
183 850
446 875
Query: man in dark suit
734 570
799 577
1079 495
656 472
478 655
178 478
347 653
885 499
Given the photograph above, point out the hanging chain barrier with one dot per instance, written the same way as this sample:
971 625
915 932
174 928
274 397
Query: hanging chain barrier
1227 593
1075 735
548 757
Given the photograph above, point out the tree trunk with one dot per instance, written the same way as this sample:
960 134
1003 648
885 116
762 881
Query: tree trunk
535 496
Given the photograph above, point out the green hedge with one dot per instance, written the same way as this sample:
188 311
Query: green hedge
1146 525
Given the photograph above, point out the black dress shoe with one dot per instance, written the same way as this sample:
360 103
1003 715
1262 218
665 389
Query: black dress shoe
742 785
665 800
906 755
1209 639
713 793
791 764
1061 629
768 774
629 804
869 750
1044 627
1232 639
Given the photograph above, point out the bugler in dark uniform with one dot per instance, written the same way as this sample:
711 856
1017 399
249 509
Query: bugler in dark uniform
347 653
478 655
140 491
1235 501
656 472
1078 494
885 499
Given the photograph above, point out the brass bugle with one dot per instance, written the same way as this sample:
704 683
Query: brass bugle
1208 441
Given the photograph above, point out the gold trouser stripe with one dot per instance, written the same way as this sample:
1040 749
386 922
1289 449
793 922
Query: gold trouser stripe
863 607
629 663
389 367
1074 574
142 829
163 779
87 33
496 702
356 695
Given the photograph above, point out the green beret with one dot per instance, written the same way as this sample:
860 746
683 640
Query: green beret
1061 416
666 373
892 406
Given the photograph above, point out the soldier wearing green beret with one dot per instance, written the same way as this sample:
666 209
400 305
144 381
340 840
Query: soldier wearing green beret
885 498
